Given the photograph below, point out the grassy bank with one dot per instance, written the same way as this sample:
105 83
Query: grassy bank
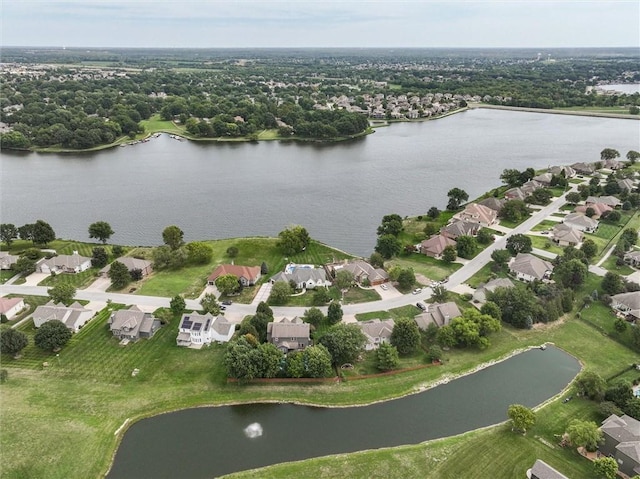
69 410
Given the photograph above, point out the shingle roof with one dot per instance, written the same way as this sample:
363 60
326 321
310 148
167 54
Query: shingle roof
530 265
251 273
288 329
436 244
542 470
562 232
130 262
439 314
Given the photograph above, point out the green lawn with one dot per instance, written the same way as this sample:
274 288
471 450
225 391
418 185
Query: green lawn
544 225
78 281
546 244
5 275
610 265
190 281
432 268
373 315
156 124
601 316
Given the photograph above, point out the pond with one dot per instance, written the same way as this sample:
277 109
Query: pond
212 441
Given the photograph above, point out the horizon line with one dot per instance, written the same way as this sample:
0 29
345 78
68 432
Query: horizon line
64 47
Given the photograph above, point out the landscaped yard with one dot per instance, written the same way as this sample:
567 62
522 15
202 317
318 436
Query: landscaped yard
432 268
545 243
77 280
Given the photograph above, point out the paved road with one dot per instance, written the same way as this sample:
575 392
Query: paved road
236 312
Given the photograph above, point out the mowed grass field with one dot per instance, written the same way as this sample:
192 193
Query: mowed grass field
70 410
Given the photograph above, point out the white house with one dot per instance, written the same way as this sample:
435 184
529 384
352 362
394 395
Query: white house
11 306
376 332
64 263
197 330
74 317
304 277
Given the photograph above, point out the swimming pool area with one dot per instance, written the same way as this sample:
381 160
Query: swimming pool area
291 267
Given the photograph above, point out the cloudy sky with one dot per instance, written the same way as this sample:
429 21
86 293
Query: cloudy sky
327 23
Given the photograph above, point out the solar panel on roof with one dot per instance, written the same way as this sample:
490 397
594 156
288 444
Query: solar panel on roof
197 326
206 326
187 324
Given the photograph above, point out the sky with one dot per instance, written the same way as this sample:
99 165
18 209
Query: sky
327 23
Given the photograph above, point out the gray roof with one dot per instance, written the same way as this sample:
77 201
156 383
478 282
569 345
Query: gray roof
630 449
621 428
361 268
130 262
496 204
302 275
376 328
562 232
66 261
542 470
204 322
461 228
482 289
606 200
6 259
580 220
530 265
630 300
52 311
439 314
286 328
133 321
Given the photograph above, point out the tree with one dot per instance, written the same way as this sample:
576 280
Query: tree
518 243
589 248
406 278
630 235
269 360
439 293
433 213
388 246
466 246
387 356
573 197
606 467
317 360
514 211
25 266
177 304
259 321
209 304
119 275
633 156
612 216
522 418
612 283
620 325
8 232
294 239
405 336
12 341
570 274
485 236
99 257
199 252
492 310
100 230
501 256
449 254
43 233
456 196
591 385
391 225
344 279
344 342
26 232
232 252
511 177
173 236
321 296
430 229
518 305
227 284
52 335
585 434
376 260
313 316
609 154
62 293
280 291
240 359
334 313
264 269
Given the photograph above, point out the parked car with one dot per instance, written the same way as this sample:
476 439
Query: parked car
421 305
417 290
226 303
222 308
384 286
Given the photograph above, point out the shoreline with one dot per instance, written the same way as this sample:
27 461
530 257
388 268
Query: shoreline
377 124
130 421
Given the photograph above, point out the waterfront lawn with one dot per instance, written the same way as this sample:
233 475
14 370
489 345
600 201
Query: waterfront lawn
83 408
78 280
156 124
602 318
432 268
191 280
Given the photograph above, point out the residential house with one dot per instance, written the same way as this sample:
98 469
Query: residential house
622 442
304 277
435 245
439 314
362 272
583 168
599 209
74 316
460 228
7 260
628 304
581 222
196 330
565 235
288 334
247 275
626 184
611 201
542 470
564 171
64 263
480 294
527 267
632 258
544 179
376 332
613 164
474 213
133 324
9 307
132 264
515 194
496 204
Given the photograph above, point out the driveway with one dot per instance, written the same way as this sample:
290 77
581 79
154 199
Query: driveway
262 294
34 278
100 284
390 292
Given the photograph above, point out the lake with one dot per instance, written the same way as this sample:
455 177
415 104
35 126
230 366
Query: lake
209 442
628 88
339 192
